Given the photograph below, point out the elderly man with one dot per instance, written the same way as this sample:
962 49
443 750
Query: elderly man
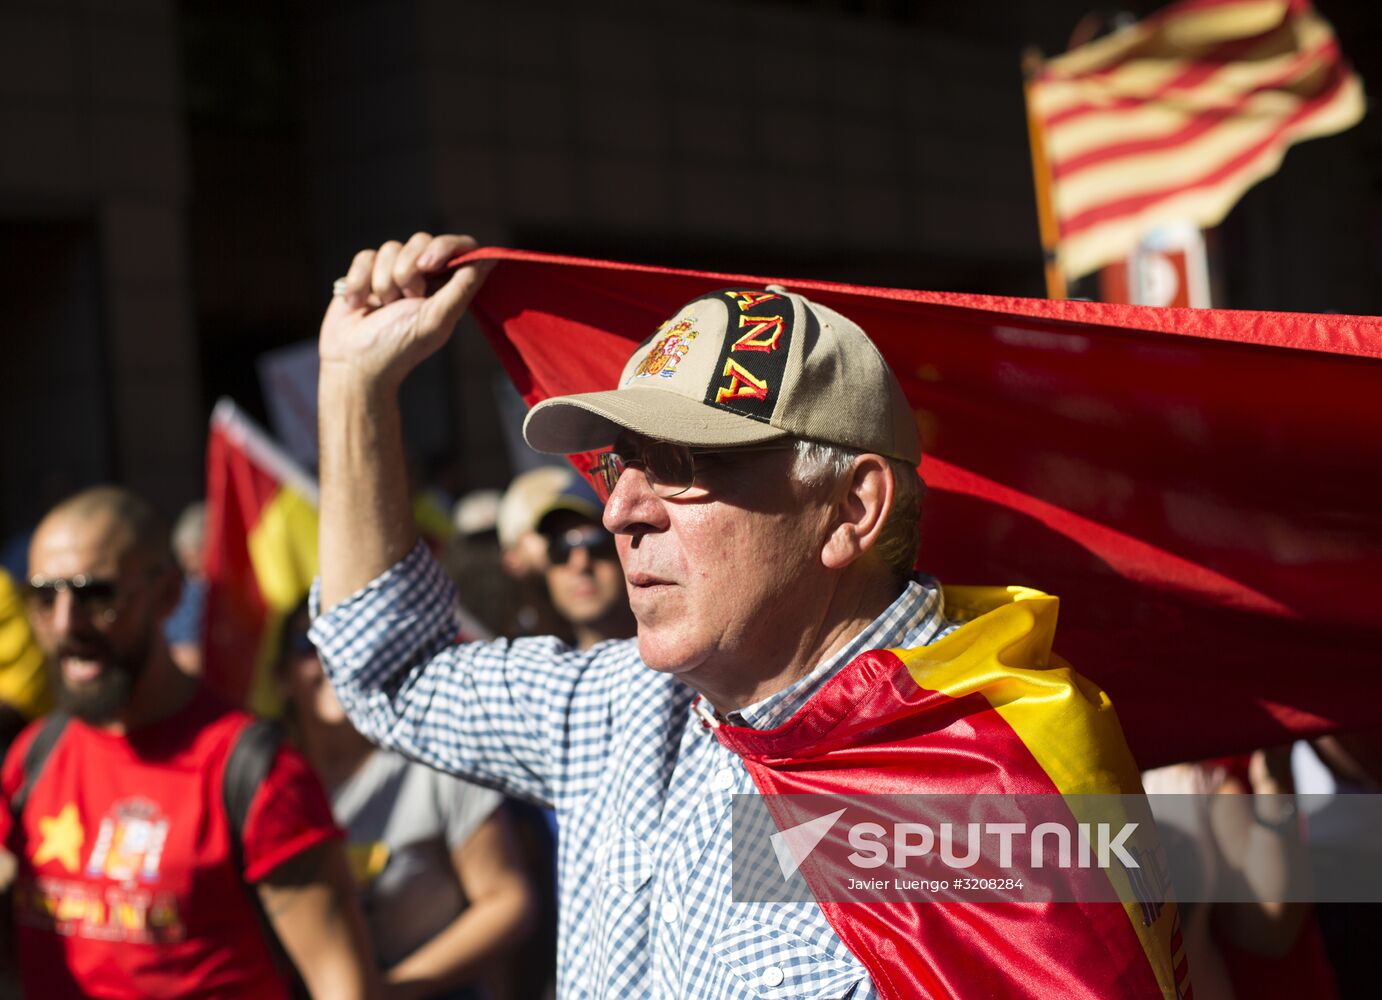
154 825
762 491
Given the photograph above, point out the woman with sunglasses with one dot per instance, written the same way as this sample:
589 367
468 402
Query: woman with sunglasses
443 891
584 579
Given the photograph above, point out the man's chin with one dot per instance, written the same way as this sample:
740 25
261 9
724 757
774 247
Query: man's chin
664 653
95 696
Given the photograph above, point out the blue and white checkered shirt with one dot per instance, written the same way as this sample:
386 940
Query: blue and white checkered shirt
640 786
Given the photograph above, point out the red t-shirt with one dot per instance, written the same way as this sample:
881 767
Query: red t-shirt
126 883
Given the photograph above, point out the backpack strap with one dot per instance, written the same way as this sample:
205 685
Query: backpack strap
246 768
49 732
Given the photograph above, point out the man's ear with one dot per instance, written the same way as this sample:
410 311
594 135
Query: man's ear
862 501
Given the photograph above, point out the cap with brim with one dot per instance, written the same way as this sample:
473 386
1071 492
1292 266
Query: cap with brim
592 420
742 367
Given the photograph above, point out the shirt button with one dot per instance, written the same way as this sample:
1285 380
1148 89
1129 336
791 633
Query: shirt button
773 976
724 780
669 912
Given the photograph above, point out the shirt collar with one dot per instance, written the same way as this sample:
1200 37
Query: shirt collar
915 618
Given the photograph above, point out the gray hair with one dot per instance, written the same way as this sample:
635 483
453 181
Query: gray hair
818 464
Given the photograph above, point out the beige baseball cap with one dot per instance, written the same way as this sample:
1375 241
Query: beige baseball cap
740 367
538 492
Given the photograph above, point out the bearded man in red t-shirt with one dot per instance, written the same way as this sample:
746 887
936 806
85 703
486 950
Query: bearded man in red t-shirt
132 878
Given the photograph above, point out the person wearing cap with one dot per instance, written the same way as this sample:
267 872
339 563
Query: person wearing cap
550 531
530 496
761 486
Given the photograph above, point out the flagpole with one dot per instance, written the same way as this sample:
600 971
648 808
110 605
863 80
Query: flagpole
1041 178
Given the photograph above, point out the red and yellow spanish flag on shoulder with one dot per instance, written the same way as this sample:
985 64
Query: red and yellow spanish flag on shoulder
261 554
1176 116
1199 486
986 709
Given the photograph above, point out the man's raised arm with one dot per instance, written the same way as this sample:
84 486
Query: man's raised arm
377 330
496 712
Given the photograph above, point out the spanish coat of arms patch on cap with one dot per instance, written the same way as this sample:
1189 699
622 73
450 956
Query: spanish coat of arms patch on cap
662 358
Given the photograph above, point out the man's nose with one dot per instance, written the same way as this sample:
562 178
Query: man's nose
64 614
633 508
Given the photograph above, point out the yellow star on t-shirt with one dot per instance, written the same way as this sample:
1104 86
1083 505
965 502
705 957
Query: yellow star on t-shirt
62 838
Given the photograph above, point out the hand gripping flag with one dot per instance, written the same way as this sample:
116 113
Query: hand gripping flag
1198 486
1176 116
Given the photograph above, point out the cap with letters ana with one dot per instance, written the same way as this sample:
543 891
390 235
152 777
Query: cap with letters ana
741 367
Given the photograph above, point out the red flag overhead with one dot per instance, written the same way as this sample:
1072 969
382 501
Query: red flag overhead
1198 486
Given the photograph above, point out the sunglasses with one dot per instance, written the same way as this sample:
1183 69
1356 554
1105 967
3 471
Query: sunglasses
670 469
96 597
597 542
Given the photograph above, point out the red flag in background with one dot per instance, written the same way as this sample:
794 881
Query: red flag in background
1175 116
261 554
1198 486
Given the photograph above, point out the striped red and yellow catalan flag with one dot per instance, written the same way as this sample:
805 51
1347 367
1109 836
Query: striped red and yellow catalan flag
261 554
1176 116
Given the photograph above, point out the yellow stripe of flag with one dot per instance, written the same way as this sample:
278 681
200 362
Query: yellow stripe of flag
1067 724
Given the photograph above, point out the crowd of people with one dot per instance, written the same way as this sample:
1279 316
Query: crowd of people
341 869
428 811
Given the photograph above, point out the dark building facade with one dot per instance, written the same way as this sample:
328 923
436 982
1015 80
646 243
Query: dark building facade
182 181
